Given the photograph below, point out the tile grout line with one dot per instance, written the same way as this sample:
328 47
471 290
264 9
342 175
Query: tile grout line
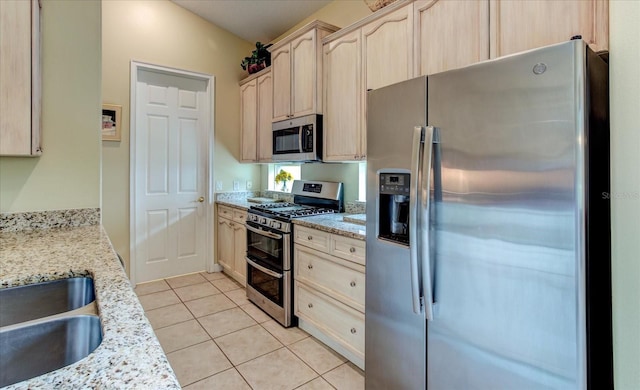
211 338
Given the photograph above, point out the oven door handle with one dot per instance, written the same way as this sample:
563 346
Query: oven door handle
264 233
263 269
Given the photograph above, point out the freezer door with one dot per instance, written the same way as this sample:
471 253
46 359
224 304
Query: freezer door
509 263
395 336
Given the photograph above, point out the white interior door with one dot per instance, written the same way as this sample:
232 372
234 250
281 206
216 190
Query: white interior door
171 192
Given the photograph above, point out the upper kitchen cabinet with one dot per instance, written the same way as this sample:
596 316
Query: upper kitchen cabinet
255 117
387 47
524 25
344 134
450 34
20 78
296 63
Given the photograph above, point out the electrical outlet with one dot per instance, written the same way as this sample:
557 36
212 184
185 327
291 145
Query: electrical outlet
236 185
249 184
218 185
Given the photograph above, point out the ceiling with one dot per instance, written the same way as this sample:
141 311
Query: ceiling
254 20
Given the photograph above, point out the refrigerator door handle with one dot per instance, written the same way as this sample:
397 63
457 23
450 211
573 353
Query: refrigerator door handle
424 221
413 218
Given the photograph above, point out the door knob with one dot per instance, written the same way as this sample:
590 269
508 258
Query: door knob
201 199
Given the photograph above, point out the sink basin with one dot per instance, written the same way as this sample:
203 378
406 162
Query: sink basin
32 350
29 302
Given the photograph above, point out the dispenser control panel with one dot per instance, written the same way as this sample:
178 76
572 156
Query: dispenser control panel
395 183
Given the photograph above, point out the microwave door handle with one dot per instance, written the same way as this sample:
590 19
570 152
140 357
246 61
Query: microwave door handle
414 203
425 222
300 137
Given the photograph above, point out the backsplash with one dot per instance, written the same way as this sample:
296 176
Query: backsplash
30 220
355 207
236 195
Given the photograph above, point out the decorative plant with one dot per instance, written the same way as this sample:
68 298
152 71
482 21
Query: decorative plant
260 58
283 176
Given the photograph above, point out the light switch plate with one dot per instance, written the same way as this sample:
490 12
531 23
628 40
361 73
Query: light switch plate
236 185
249 184
218 185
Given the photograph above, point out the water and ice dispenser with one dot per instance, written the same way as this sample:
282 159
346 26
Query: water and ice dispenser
394 207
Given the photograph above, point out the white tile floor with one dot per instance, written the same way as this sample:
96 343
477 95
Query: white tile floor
215 338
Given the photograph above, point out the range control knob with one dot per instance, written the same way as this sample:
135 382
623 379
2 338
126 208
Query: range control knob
263 221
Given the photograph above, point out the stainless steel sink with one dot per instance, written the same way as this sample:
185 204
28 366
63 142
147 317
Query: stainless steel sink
32 350
33 301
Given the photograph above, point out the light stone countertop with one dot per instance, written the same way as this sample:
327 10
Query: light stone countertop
334 223
130 355
241 204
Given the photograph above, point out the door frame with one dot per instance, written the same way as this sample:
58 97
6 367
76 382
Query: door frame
137 66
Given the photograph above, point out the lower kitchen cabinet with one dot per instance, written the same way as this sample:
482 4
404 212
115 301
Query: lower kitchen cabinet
329 290
232 242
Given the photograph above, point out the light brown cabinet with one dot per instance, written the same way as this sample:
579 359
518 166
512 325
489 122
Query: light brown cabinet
255 117
344 133
329 290
522 25
232 242
20 79
373 53
450 34
387 48
296 63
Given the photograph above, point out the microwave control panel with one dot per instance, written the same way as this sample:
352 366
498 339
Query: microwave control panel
307 138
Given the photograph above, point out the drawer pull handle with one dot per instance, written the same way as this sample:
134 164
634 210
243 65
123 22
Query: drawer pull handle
353 330
353 283
310 266
310 305
352 250
309 238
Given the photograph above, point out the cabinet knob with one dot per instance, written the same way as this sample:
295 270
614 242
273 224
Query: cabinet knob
310 266
353 331
310 305
353 283
309 238
352 250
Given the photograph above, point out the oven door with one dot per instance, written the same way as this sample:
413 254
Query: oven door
269 248
270 284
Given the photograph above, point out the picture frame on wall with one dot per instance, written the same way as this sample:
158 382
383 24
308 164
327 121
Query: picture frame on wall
111 118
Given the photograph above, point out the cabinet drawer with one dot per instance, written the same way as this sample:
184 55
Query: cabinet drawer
340 322
348 248
239 216
340 279
226 212
312 238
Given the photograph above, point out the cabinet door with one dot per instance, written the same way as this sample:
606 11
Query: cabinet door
450 34
248 121
524 25
281 73
20 78
303 74
387 47
265 104
225 243
240 249
343 103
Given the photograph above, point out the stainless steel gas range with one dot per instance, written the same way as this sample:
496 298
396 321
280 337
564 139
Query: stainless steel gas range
270 245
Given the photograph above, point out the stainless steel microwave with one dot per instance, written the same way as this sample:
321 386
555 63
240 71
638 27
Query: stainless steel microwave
298 139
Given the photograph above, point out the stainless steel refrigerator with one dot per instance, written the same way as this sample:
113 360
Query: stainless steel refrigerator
488 232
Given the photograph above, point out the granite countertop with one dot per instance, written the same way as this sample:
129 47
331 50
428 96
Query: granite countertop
130 355
335 224
241 204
